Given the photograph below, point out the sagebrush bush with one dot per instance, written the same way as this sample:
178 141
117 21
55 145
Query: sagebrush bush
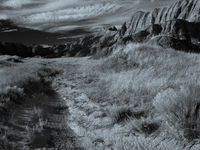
11 94
145 126
180 110
121 114
36 85
46 72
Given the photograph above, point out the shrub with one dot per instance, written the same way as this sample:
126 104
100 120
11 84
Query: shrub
33 86
44 72
11 94
118 62
179 109
122 113
145 126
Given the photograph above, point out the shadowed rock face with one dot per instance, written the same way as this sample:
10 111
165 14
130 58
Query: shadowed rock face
170 42
15 49
177 26
182 30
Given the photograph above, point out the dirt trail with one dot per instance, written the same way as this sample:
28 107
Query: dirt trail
85 116
67 87
59 128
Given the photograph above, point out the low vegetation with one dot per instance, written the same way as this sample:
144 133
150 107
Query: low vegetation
151 91
27 103
140 97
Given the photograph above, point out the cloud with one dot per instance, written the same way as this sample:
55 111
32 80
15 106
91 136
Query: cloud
59 4
3 16
16 3
71 13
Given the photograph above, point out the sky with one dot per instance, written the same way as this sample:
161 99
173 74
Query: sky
62 15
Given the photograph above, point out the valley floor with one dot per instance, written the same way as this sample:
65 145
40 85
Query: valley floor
141 97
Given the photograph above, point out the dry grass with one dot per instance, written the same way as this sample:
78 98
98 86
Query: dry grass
25 92
140 97
163 88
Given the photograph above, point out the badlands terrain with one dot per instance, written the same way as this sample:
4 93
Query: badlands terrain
130 86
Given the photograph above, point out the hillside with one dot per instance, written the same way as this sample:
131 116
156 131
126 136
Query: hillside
9 32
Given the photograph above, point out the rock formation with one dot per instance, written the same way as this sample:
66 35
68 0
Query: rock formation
123 30
187 10
113 28
177 26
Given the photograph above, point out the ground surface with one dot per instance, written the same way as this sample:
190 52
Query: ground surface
134 99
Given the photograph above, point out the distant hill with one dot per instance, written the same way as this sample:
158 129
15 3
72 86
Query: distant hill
10 32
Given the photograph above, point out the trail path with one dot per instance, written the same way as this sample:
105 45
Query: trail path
85 116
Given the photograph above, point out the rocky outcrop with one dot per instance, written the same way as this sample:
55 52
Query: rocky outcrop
170 42
123 30
177 26
113 28
187 10
182 30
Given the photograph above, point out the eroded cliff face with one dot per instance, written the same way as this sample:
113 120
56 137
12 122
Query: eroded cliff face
188 10
177 26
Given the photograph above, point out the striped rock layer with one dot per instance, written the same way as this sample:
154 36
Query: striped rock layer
188 10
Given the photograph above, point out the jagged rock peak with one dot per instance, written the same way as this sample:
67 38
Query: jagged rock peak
183 9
